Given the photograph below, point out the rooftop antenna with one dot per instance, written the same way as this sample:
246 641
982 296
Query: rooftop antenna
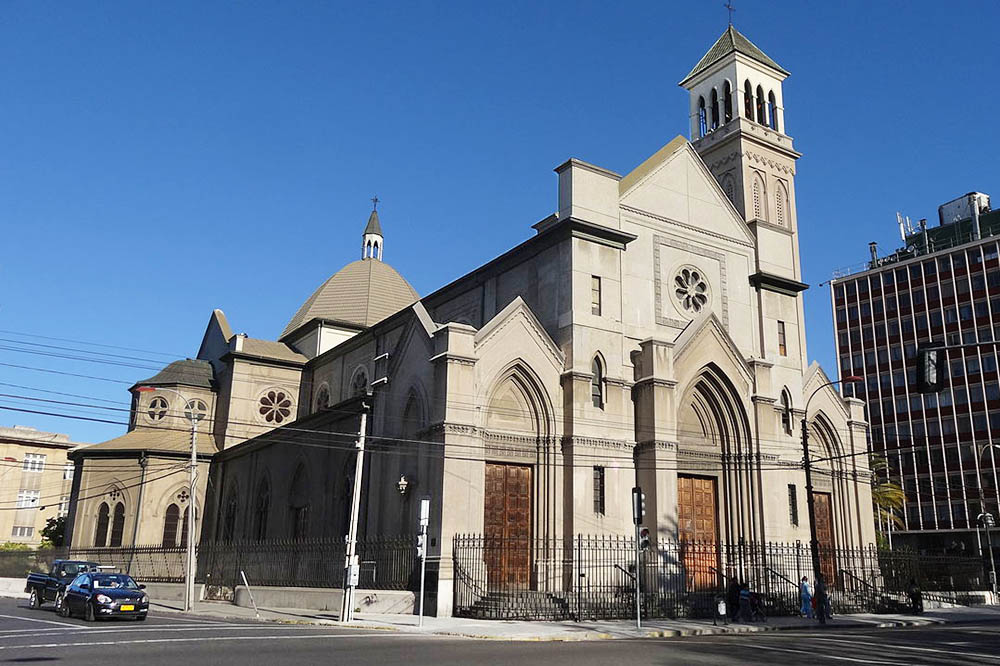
905 226
729 6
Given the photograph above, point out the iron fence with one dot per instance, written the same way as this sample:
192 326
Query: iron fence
593 577
387 563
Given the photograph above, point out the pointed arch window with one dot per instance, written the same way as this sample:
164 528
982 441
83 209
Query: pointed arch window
597 384
298 504
229 521
322 398
360 384
772 111
101 529
727 102
786 412
761 113
170 520
702 120
117 525
747 100
261 508
715 109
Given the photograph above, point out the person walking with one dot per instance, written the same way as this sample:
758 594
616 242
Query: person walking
916 597
806 597
744 615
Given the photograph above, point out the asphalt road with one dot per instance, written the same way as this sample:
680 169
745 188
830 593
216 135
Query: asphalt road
179 640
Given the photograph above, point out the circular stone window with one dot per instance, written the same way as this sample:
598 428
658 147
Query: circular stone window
195 410
157 409
691 290
275 406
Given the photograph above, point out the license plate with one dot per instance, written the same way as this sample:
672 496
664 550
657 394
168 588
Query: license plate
127 607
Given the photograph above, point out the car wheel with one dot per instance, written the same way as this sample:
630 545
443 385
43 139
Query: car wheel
90 615
63 608
34 600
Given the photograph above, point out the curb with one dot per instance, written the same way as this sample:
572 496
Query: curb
593 635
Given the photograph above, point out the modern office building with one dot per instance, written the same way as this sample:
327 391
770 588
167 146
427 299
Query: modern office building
941 288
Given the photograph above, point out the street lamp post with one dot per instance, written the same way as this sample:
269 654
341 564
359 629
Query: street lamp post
986 518
193 417
811 505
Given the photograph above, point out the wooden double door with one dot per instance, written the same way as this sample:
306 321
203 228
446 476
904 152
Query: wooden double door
698 530
507 525
823 509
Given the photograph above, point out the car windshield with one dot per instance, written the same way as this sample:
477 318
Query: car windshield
73 568
111 581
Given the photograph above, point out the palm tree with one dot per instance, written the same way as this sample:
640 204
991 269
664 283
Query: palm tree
887 496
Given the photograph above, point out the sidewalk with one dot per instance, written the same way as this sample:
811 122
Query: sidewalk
583 631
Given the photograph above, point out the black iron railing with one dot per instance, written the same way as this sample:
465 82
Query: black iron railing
593 577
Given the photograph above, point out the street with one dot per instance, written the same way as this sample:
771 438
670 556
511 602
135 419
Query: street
171 638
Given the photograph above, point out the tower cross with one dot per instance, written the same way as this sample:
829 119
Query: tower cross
375 202
729 6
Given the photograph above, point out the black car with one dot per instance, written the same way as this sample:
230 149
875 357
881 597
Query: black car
97 595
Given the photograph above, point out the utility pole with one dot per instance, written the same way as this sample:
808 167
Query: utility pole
425 516
638 512
820 583
351 564
189 582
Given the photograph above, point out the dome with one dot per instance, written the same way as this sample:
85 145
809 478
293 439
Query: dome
363 293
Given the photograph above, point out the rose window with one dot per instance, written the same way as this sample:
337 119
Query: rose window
195 410
275 406
157 408
691 290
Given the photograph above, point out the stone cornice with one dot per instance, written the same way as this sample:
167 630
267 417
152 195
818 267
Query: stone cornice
689 227
661 444
656 382
598 443
448 357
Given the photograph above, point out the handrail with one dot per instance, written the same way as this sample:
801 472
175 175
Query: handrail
787 580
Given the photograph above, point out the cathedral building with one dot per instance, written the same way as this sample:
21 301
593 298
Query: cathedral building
649 333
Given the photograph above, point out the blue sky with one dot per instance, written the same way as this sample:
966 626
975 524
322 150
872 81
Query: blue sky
158 160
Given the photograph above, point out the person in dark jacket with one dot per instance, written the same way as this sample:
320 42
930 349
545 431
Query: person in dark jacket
733 599
916 597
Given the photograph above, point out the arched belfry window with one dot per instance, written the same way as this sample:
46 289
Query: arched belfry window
702 120
101 529
715 109
758 198
772 111
597 383
170 520
117 525
727 103
780 204
786 412
760 106
748 100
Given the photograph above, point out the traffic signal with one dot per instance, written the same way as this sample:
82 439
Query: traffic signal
638 505
930 369
643 538
421 545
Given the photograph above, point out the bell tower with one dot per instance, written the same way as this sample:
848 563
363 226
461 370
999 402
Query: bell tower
372 238
737 116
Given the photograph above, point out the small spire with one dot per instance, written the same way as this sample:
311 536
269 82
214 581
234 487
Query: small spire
371 244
